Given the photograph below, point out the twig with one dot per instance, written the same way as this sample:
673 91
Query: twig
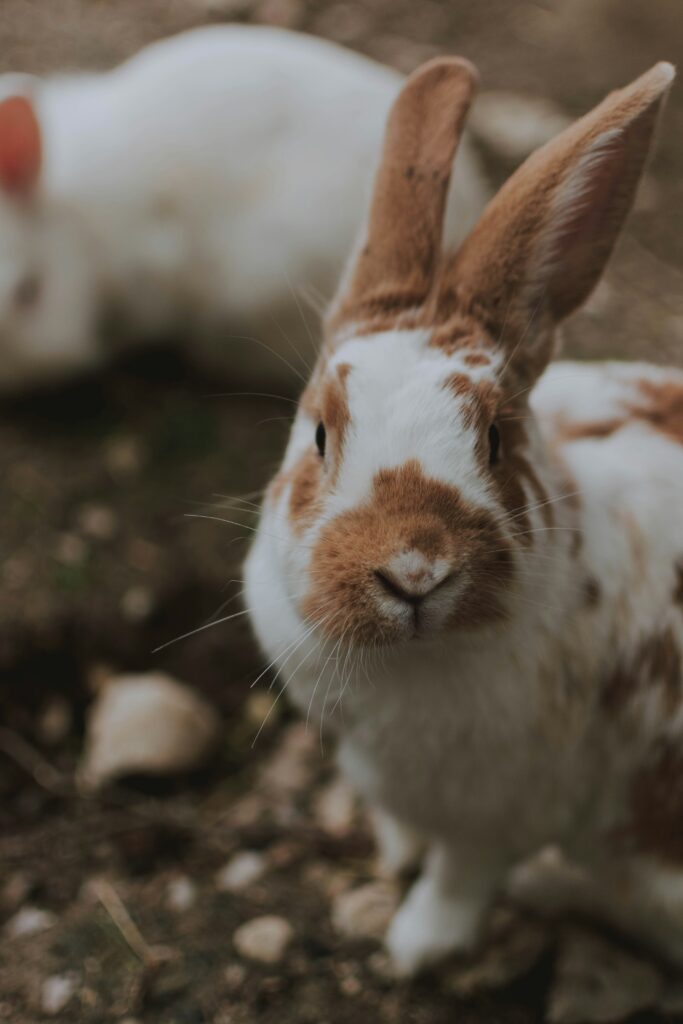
27 757
116 908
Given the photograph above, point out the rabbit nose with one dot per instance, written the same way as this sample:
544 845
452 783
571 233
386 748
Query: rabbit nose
410 576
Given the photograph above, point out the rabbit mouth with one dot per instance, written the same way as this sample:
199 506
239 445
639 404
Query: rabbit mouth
412 562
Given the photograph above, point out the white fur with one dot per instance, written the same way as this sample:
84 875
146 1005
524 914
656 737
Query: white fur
205 181
491 743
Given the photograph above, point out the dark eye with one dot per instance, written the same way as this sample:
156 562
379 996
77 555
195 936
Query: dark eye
320 438
494 444
27 291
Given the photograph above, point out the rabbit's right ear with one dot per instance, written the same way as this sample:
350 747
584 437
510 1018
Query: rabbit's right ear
393 269
20 146
542 243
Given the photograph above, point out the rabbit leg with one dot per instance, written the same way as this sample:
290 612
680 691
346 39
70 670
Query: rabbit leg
444 910
400 847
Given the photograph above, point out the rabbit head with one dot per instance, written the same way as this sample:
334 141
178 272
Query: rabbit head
404 506
46 276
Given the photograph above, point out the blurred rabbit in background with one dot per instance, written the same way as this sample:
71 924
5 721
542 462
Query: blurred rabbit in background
200 188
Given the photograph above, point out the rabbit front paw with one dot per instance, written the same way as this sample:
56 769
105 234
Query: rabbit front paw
429 926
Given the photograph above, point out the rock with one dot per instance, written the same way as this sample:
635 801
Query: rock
55 721
262 706
241 871
365 912
290 769
97 522
137 604
334 807
597 981
123 457
264 938
56 992
70 549
181 894
30 921
148 724
512 125
234 976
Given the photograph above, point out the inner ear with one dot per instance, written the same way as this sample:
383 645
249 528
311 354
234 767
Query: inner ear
20 146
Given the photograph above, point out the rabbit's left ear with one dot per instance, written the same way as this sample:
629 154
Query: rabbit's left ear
393 268
543 242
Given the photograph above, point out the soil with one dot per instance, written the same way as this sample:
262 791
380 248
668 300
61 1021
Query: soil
101 561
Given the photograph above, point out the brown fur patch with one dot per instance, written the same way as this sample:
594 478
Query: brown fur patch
304 499
657 805
664 408
476 359
406 510
591 429
656 663
515 470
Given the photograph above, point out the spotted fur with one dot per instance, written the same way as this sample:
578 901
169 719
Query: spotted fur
479 584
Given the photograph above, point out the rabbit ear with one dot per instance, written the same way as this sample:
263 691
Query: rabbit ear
393 269
543 242
20 146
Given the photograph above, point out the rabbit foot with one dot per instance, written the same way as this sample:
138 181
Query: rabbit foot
429 925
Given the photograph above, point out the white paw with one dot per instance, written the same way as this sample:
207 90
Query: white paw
428 927
400 849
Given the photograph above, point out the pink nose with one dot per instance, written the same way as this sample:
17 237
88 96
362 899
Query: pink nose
410 576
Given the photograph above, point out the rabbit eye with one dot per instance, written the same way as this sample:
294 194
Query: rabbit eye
27 291
494 444
320 438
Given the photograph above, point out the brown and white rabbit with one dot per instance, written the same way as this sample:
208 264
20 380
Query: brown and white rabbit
471 563
198 185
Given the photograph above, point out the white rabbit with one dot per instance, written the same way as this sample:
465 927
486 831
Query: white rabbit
479 589
201 184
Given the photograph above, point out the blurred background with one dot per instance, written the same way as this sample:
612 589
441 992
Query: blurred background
123 904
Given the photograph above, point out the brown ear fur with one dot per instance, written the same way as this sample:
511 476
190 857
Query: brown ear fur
20 146
393 270
543 242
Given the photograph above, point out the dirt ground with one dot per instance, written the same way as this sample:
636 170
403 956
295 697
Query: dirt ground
99 564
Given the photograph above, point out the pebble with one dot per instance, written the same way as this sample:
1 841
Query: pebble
290 768
241 871
30 921
123 456
334 808
70 549
56 992
235 975
97 521
264 938
137 604
365 912
147 723
55 721
181 894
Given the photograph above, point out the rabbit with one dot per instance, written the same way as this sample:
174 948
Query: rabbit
197 186
470 565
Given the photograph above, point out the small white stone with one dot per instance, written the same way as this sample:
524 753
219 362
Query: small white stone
334 807
56 992
30 921
150 724
241 871
70 549
264 938
365 912
181 894
97 521
55 721
137 604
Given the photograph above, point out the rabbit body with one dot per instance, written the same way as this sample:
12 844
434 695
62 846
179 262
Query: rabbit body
476 580
201 183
